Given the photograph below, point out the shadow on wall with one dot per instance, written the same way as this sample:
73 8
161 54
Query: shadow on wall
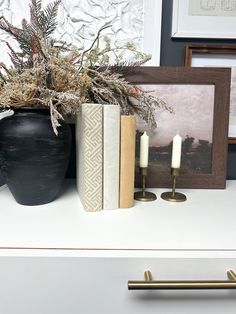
231 165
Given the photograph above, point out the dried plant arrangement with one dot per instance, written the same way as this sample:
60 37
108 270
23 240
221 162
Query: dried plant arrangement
51 74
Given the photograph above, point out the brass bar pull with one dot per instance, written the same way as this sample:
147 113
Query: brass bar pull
231 274
148 275
149 284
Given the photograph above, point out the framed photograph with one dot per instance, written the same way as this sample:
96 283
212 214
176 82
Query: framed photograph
199 98
217 56
204 18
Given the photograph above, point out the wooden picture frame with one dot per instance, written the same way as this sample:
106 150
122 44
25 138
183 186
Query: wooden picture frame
219 56
186 78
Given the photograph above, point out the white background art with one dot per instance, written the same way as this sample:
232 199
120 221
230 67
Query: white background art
221 60
212 7
80 20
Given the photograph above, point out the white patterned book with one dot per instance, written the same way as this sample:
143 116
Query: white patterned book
111 156
89 143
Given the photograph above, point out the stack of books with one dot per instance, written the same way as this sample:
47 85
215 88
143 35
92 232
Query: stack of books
105 144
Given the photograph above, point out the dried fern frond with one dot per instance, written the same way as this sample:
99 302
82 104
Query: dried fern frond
22 36
44 21
15 59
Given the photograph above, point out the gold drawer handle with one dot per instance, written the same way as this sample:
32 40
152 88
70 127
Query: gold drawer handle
149 284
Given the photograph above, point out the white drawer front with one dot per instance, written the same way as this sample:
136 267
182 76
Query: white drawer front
75 285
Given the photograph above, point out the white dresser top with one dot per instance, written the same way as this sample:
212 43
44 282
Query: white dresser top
206 221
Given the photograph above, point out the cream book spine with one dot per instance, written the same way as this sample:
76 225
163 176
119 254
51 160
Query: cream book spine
89 142
111 156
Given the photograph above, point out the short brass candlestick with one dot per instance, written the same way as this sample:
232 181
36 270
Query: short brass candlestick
143 195
174 196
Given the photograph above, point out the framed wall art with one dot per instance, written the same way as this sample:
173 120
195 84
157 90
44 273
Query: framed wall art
204 18
217 56
199 98
138 21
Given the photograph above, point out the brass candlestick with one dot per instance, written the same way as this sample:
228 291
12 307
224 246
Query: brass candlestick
174 196
143 195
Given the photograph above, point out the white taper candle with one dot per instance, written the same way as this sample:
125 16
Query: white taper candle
144 147
176 151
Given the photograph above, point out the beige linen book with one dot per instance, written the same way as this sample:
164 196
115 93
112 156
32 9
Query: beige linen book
89 146
127 160
111 156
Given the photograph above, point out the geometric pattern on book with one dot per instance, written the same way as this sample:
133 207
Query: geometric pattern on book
90 153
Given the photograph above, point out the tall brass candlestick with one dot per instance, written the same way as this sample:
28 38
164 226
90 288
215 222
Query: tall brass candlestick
174 196
143 195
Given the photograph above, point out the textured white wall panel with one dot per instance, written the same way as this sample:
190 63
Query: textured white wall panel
79 21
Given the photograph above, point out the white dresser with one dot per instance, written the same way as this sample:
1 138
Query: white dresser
59 259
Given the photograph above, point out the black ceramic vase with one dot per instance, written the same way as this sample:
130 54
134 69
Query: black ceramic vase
2 182
33 159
